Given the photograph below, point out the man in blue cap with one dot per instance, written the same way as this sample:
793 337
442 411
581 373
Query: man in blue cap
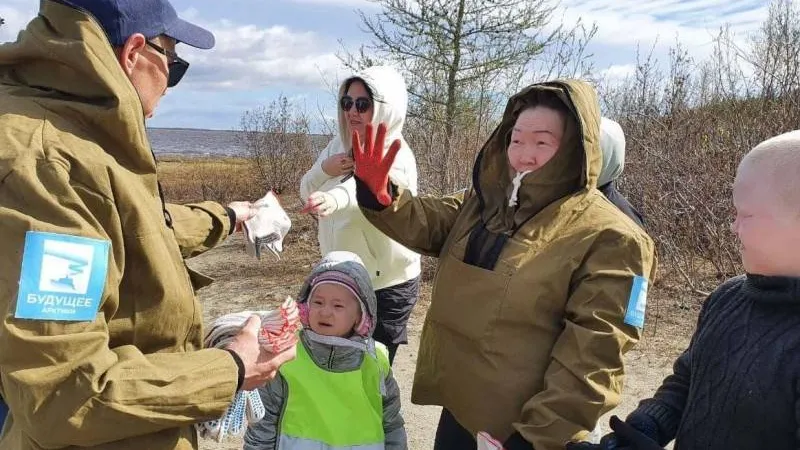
101 333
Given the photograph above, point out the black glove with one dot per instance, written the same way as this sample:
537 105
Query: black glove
608 442
624 437
583 446
631 438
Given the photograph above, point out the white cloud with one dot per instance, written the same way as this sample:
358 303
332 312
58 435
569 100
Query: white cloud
17 14
251 57
361 4
626 23
617 73
245 57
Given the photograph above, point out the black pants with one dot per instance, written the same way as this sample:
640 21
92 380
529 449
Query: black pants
395 304
450 435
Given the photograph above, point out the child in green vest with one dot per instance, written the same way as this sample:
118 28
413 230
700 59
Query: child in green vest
339 392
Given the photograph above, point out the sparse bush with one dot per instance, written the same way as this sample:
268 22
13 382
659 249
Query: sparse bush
687 130
279 145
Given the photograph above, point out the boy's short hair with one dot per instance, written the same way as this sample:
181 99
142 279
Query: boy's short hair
778 160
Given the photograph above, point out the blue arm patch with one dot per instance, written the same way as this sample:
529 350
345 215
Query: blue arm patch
62 277
637 302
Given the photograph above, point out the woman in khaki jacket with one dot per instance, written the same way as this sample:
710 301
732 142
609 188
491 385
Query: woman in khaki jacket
541 284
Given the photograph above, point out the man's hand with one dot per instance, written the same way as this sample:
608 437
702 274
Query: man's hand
372 167
260 366
243 211
337 165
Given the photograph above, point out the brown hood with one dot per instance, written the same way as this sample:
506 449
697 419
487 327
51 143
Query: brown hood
573 169
63 61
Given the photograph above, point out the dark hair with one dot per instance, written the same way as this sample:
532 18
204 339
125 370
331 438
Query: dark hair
547 99
534 99
350 82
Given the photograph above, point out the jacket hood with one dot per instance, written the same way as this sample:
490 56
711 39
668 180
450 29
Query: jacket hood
575 167
612 144
390 102
64 62
350 265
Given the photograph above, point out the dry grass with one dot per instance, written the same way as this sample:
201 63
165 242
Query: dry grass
196 179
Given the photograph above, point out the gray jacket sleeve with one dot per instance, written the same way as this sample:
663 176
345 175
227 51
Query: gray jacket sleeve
393 425
263 435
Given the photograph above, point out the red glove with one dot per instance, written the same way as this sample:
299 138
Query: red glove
372 167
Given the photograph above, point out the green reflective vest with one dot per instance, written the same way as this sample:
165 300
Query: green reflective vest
338 410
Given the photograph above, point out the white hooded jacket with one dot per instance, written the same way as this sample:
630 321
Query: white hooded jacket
388 262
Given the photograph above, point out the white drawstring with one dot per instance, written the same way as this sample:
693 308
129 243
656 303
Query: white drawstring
516 182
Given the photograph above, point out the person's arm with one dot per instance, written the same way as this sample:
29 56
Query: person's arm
315 177
65 384
420 223
658 417
393 425
263 435
338 197
655 422
199 227
585 375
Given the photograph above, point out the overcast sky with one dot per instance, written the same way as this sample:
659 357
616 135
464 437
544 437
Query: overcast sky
265 48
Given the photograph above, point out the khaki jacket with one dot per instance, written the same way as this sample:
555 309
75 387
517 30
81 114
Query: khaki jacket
75 160
533 343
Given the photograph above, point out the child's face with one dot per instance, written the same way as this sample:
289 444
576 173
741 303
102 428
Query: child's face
535 138
333 310
768 233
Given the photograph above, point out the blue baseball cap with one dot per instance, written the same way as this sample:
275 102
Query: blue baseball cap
123 18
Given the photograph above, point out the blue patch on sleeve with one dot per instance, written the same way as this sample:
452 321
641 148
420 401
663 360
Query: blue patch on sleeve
637 302
62 277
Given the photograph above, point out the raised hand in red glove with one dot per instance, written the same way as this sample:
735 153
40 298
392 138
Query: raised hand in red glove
372 166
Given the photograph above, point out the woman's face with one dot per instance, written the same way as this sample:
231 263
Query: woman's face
535 138
358 107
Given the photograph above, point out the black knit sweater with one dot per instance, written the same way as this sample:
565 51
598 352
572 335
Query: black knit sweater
736 386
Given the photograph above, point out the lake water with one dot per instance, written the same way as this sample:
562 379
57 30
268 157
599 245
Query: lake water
189 142
199 143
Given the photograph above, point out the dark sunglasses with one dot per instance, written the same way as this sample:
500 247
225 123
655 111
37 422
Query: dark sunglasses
362 103
177 65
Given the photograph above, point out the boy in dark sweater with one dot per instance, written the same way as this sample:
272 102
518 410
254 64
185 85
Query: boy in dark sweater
737 386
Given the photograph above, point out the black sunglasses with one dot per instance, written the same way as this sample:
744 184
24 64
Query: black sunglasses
362 103
177 65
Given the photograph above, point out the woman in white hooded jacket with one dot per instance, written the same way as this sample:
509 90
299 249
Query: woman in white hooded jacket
376 95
